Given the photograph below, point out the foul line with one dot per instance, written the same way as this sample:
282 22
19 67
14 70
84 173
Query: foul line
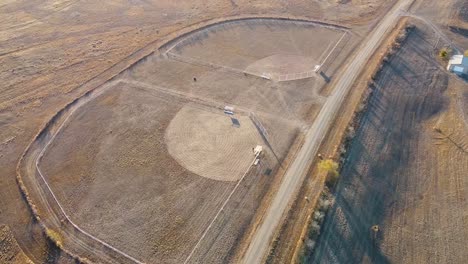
332 50
58 203
219 212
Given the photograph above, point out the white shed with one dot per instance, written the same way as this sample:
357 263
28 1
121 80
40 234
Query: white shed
229 110
458 64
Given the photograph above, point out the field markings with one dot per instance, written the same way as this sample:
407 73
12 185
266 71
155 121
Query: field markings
39 157
219 212
331 51
274 77
201 62
312 73
194 98
297 171
209 102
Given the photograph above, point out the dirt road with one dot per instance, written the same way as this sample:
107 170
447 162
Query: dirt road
296 173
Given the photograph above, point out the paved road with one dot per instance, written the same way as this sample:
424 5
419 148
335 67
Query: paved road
296 173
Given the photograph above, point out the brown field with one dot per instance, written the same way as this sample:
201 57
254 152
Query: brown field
219 62
400 172
147 163
259 47
10 251
53 52
111 170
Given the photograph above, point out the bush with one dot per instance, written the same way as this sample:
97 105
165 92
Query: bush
314 230
445 54
318 216
54 236
331 168
324 204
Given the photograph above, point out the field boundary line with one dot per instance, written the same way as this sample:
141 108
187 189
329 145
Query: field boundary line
92 95
312 73
219 211
275 77
108 75
167 47
38 159
331 51
207 101
200 62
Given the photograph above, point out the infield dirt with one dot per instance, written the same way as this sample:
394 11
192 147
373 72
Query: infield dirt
111 170
149 165
56 51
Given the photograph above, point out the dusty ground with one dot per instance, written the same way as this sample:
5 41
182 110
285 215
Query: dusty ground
10 251
218 56
261 47
400 173
111 169
209 144
126 160
50 49
299 217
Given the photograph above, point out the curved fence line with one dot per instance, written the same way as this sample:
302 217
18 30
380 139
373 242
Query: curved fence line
90 87
68 111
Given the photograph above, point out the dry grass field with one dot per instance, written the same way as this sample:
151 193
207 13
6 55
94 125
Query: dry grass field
10 251
53 52
147 165
218 56
152 166
406 168
260 47
111 169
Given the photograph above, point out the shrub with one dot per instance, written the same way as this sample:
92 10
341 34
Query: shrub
54 236
331 168
445 54
310 243
324 204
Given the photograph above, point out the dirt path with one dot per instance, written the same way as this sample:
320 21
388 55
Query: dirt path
294 176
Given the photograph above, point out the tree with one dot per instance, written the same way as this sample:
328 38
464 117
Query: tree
331 168
54 236
445 54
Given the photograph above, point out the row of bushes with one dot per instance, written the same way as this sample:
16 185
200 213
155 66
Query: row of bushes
51 235
332 167
54 237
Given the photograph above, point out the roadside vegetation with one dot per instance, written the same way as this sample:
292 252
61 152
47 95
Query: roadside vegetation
332 168
55 237
445 54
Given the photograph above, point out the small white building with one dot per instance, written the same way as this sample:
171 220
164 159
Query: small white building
257 150
458 64
229 110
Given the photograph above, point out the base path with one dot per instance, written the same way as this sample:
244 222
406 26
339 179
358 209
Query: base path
295 175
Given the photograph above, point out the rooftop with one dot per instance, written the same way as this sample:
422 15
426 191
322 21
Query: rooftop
459 59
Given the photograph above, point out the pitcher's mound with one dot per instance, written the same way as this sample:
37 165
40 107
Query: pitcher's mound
208 144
